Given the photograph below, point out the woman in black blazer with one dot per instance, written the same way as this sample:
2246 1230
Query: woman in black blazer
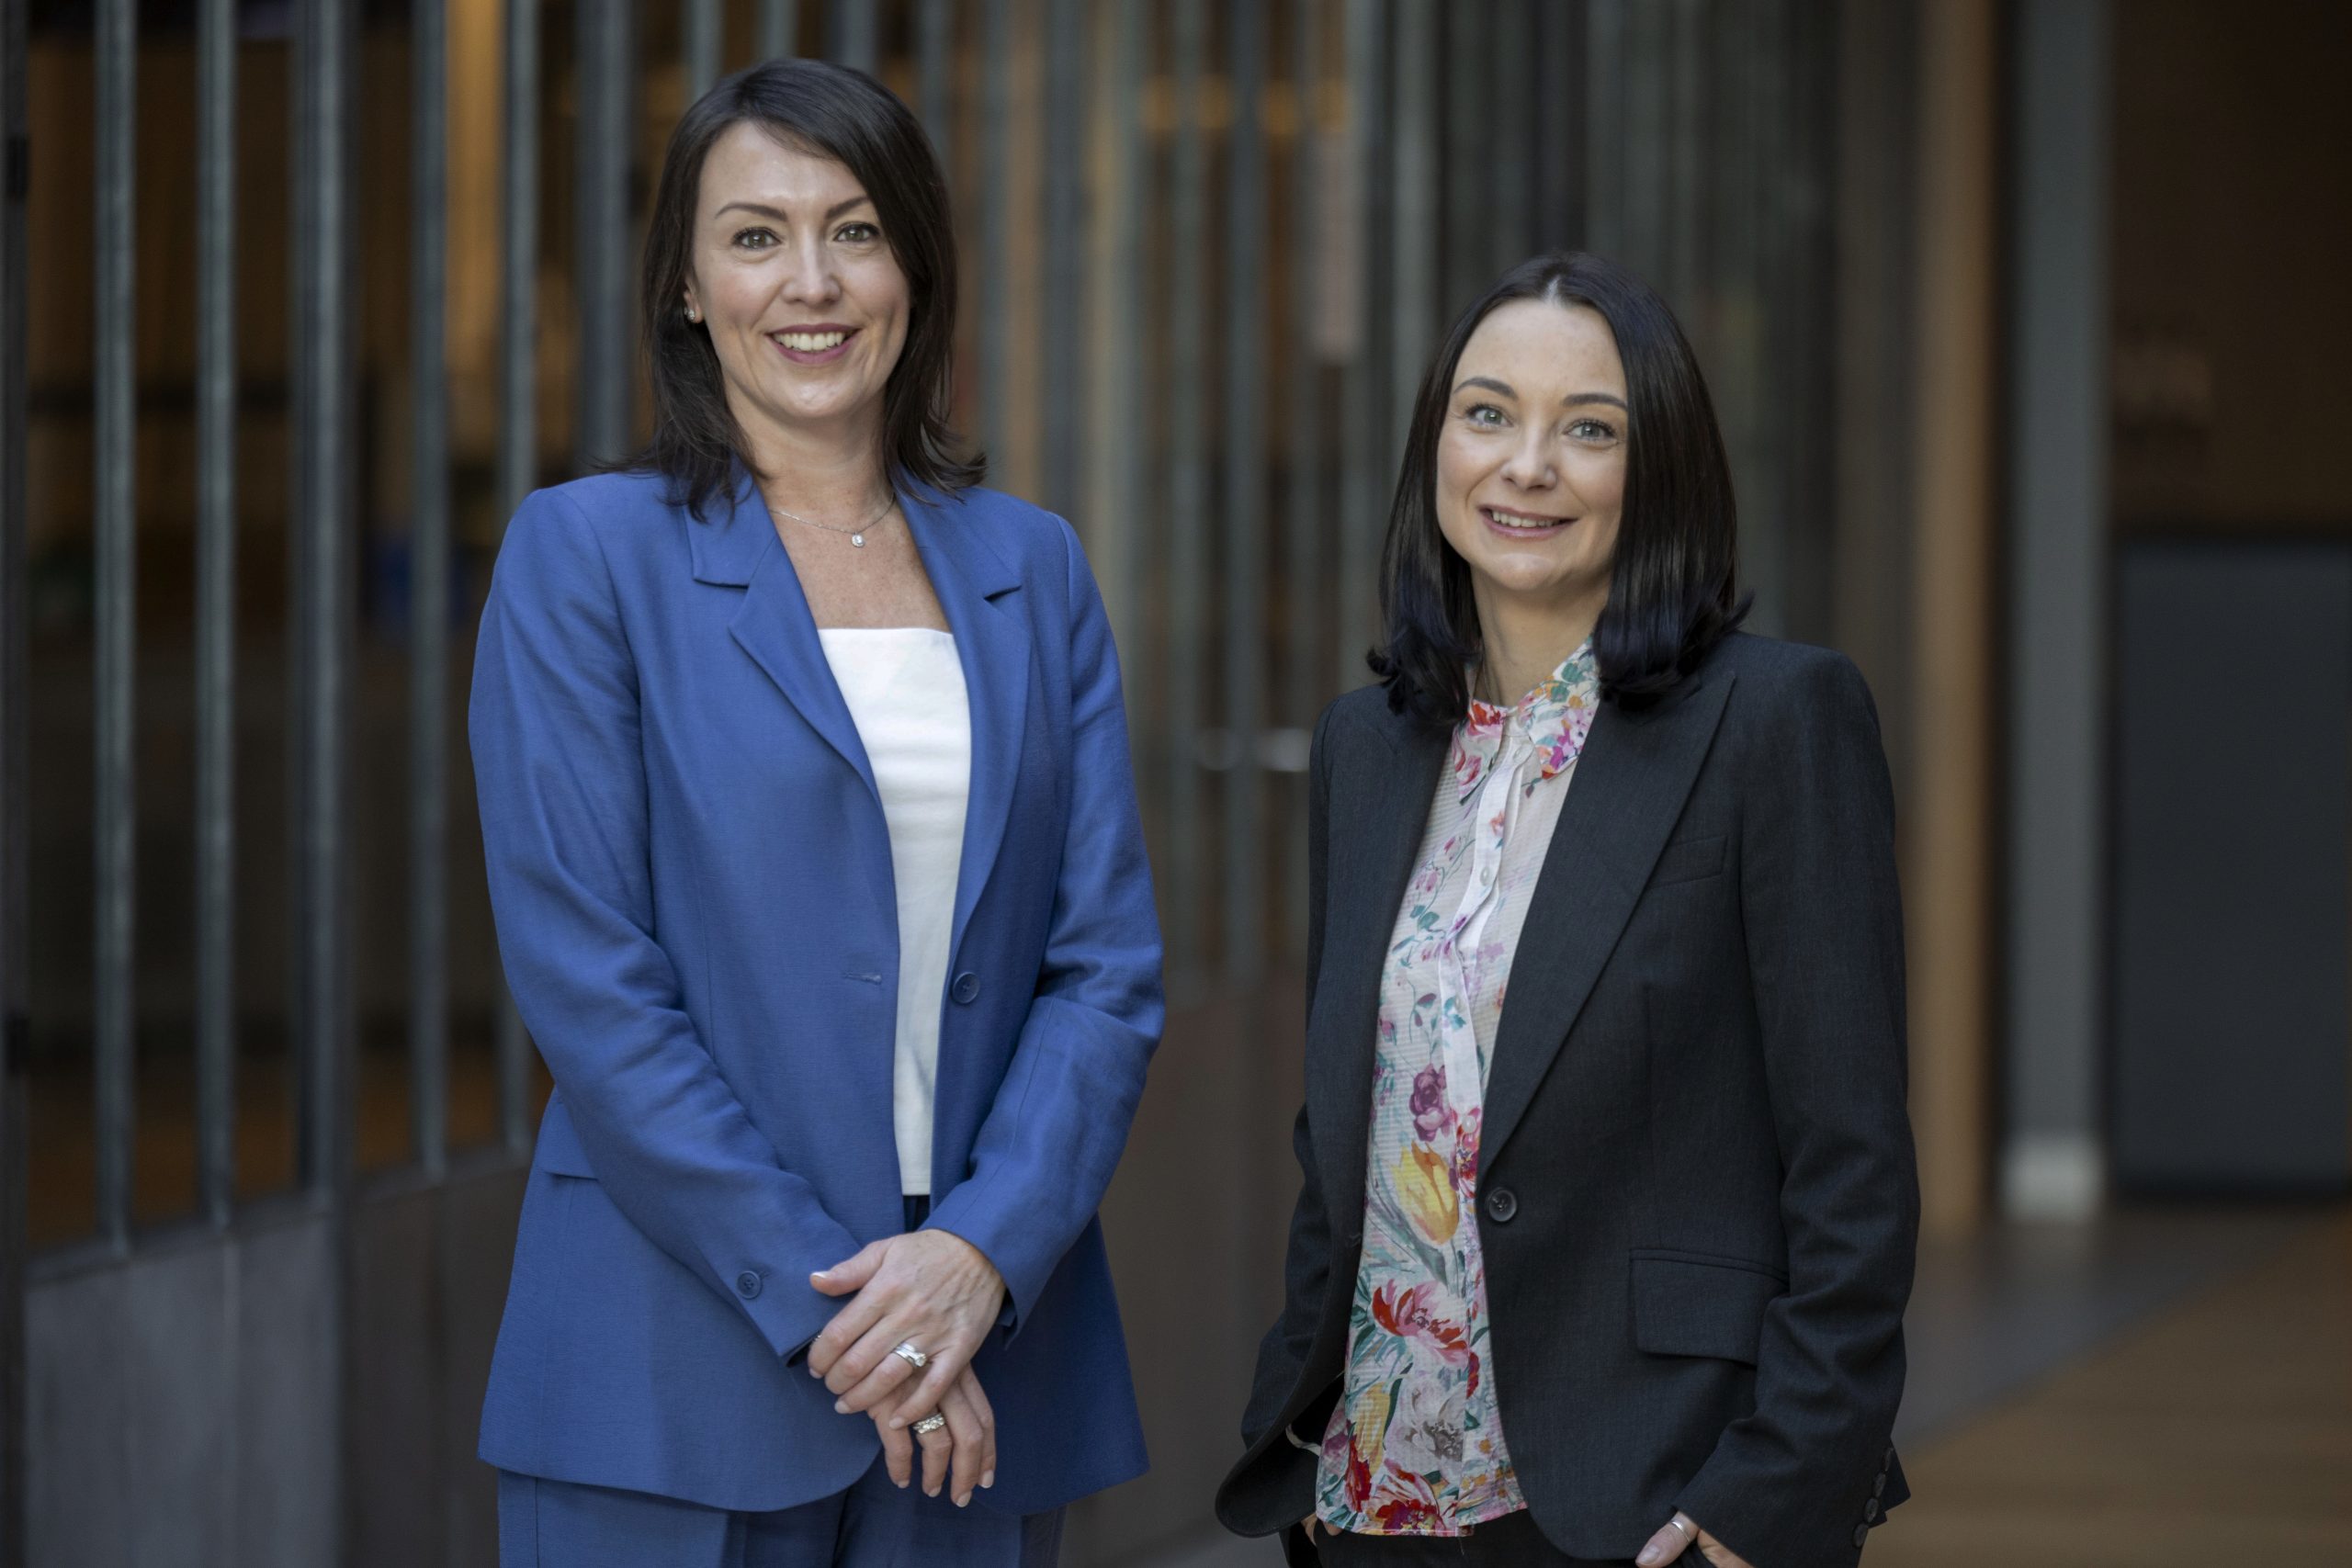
1616 1272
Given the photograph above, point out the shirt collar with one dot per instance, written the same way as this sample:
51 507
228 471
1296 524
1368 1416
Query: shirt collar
1553 720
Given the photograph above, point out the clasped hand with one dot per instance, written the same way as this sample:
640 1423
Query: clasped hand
936 1291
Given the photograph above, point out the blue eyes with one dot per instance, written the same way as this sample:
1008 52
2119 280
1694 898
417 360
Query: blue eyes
858 233
1487 416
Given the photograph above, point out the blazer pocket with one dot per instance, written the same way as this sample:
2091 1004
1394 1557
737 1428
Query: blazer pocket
1688 1305
1688 860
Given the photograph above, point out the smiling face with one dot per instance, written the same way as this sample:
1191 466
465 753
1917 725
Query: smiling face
797 285
1531 461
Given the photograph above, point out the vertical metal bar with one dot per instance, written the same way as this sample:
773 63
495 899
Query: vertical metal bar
851 37
996 226
1123 388
1414 237
518 449
934 65
117 546
15 169
1604 127
779 36
1304 649
1643 207
704 30
1302 530
1766 386
1683 81
1733 202
1364 447
1187 488
323 589
1762 365
1470 148
1065 261
1808 325
428 773
324 522
216 609
603 137
1509 68
1245 494
1560 50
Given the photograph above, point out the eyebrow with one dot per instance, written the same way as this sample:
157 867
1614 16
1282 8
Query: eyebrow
782 216
1571 400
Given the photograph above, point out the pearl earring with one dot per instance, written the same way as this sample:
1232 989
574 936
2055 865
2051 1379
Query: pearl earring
693 314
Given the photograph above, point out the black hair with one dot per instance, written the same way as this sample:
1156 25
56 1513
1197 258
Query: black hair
1673 591
841 114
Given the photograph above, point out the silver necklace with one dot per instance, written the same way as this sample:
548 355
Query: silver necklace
856 536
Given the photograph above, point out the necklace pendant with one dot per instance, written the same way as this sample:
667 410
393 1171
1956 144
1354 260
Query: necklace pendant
858 539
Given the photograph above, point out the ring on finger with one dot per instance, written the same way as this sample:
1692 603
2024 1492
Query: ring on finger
1684 1531
930 1423
906 1352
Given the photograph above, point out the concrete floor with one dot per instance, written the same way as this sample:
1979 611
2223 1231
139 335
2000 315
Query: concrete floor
1997 1316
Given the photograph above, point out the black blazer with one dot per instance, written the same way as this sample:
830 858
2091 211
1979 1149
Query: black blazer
1697 1201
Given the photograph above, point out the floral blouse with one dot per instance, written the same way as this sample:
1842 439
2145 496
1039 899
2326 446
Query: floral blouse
1414 1446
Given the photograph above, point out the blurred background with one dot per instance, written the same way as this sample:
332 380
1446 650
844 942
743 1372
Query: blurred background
2027 322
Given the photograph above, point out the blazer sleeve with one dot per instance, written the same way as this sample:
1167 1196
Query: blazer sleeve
561 777
1306 1259
1054 1133
1793 1481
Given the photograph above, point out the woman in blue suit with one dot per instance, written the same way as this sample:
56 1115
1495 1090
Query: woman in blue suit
813 847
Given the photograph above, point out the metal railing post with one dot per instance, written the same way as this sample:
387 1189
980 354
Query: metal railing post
428 582
604 138
15 172
1188 490
326 522
1247 557
116 548
216 609
778 34
1365 448
518 449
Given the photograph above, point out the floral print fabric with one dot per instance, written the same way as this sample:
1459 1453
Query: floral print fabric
1414 1446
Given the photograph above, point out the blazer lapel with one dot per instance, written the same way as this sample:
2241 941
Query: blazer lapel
1381 790
1626 794
736 546
979 592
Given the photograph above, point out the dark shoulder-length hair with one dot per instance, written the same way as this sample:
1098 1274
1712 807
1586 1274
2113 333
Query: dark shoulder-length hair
842 114
1674 589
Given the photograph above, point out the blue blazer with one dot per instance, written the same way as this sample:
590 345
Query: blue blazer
691 876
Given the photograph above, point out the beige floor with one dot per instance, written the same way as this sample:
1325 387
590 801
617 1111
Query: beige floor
2220 1432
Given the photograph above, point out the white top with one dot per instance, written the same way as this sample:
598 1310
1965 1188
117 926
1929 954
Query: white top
904 688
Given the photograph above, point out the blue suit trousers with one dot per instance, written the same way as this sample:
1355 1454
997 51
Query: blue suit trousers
558 1524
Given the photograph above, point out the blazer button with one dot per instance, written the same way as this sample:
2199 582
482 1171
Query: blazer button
968 988
1878 1487
1501 1204
747 1284
1870 1512
1861 1535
